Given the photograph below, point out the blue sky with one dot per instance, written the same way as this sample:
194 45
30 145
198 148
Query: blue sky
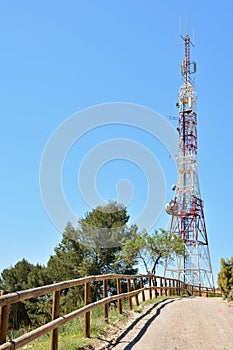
58 58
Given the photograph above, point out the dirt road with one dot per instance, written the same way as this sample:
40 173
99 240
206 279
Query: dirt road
189 323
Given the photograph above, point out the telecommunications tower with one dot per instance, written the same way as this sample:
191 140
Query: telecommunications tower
186 209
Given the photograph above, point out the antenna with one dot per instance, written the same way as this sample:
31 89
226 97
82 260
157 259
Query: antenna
186 209
187 24
187 66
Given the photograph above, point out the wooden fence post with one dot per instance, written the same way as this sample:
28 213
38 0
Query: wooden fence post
165 285
4 320
105 285
155 284
181 287
142 286
173 288
184 288
169 287
199 290
55 314
87 323
119 302
129 290
161 286
135 287
150 290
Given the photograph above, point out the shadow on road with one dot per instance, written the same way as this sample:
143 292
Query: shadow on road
159 307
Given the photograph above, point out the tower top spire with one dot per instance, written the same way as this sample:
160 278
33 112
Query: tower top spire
187 24
187 67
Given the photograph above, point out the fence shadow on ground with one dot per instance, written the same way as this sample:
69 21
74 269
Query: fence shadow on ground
159 305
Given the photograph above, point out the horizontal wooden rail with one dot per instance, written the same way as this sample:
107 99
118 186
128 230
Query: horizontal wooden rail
26 338
135 285
26 294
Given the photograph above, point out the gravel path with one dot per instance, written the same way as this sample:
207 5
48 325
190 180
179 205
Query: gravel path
189 323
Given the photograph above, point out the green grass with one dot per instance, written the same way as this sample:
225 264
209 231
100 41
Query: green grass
214 295
71 334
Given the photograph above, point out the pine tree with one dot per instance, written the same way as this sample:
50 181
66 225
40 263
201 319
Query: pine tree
225 278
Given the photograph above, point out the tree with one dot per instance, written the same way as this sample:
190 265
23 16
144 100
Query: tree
150 249
66 263
101 233
225 278
25 275
87 250
90 249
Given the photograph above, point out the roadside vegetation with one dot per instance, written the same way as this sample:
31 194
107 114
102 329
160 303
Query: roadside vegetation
71 334
225 278
103 242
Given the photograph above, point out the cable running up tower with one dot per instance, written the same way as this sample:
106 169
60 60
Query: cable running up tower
186 210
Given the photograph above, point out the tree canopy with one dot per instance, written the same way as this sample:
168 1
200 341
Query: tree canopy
151 249
23 275
91 247
225 278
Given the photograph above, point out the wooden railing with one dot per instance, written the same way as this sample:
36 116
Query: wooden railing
156 285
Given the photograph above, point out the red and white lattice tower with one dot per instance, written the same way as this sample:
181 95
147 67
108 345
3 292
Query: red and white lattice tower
187 207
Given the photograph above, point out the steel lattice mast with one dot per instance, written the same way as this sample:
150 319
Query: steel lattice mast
187 207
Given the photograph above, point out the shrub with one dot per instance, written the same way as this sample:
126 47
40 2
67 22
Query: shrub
225 278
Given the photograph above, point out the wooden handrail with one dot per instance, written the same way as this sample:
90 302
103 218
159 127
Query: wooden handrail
38 332
15 297
176 287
